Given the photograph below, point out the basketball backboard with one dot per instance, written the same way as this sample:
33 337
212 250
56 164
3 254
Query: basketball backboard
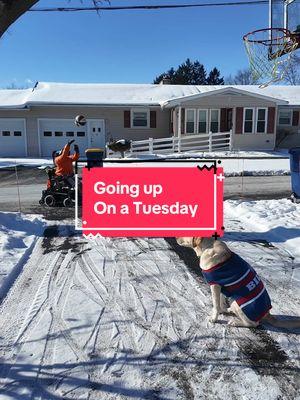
285 14
270 50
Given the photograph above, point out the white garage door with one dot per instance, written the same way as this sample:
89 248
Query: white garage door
12 137
55 133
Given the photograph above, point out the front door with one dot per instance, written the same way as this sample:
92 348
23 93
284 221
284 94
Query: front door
96 133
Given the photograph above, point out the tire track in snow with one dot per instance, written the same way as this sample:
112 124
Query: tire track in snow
161 349
264 352
50 286
258 348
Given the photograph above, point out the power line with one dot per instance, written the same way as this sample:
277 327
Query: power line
148 7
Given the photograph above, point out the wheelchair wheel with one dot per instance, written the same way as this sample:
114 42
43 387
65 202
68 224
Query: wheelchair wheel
49 200
68 202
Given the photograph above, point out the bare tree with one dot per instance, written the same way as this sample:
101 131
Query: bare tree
292 73
242 77
11 10
14 86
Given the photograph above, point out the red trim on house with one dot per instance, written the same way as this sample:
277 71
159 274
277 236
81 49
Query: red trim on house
239 120
295 118
271 120
127 119
152 119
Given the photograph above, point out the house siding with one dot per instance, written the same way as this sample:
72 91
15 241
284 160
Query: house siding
242 141
288 136
114 122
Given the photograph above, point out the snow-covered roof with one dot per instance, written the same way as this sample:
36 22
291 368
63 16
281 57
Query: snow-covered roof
14 98
108 94
133 94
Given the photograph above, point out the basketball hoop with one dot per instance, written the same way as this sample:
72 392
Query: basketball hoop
269 51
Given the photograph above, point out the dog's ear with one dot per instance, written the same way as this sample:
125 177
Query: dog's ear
196 241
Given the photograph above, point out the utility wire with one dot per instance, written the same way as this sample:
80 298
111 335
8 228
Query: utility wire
148 7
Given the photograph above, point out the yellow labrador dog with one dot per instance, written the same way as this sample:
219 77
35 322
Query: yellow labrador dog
230 276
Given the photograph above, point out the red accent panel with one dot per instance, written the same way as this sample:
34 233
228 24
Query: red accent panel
127 121
239 120
157 210
271 120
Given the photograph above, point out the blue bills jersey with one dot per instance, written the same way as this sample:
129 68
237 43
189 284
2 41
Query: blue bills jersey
239 281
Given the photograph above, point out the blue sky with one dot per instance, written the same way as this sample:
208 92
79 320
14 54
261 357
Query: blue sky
125 46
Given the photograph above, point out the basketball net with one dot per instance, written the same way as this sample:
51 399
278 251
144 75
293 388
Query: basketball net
269 51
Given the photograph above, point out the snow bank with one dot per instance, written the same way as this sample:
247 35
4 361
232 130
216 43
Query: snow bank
18 234
30 162
247 163
279 220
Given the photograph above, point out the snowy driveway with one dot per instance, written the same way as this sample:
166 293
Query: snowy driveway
126 319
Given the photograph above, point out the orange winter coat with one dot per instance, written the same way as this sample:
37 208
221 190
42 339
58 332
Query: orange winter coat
64 162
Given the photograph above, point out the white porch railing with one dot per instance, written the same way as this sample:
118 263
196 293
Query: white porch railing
187 143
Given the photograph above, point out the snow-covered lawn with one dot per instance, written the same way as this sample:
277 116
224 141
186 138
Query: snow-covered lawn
278 220
18 235
234 163
128 318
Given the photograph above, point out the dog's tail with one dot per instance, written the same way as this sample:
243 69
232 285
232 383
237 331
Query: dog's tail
279 323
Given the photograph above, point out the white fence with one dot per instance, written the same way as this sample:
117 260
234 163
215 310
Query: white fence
187 143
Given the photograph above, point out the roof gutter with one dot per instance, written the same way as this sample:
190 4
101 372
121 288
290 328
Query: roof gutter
15 108
107 105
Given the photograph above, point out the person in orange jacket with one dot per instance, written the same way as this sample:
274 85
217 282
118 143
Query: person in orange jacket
64 162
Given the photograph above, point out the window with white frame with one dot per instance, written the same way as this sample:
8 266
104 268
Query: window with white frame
285 117
248 120
202 121
214 120
140 118
261 121
190 120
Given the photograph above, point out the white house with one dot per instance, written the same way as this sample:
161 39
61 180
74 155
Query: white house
34 122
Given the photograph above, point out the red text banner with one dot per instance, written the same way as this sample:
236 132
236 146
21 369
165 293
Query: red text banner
145 202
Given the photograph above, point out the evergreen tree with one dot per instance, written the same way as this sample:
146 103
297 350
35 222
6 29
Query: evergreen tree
214 77
191 73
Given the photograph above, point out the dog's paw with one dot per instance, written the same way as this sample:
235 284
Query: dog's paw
233 322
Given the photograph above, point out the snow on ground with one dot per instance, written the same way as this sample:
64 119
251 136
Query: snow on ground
18 235
30 162
234 162
279 220
128 318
